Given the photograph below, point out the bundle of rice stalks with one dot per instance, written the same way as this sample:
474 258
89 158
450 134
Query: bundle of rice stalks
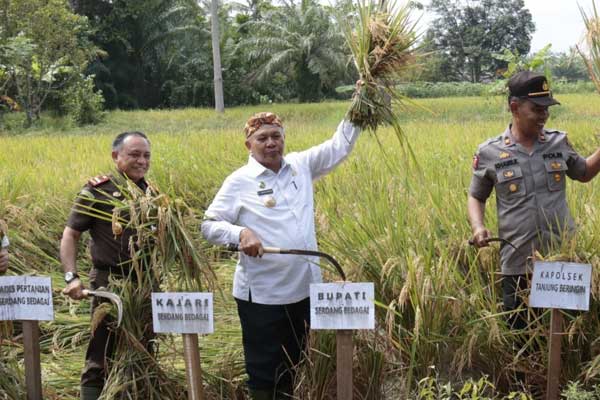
592 41
165 253
382 40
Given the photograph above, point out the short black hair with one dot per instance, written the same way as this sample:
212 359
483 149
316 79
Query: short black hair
118 142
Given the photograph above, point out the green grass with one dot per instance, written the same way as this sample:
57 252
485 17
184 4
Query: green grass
402 227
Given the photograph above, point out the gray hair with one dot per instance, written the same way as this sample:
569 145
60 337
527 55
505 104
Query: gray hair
118 142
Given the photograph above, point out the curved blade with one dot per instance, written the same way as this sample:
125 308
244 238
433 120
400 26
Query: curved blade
116 300
495 239
277 250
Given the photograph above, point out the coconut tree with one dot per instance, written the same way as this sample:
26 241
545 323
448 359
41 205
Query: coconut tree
301 40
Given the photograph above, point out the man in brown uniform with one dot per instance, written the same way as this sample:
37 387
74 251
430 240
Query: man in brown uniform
109 250
527 165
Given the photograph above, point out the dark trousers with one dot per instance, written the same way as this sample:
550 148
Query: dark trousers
101 345
514 289
274 337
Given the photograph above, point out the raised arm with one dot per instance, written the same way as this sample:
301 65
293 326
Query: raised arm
324 157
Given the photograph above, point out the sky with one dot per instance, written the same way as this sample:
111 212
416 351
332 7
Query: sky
556 21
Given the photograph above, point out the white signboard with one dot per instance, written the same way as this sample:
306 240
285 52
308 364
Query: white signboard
26 298
561 285
342 305
182 312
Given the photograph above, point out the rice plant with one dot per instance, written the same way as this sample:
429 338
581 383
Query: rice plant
382 39
591 57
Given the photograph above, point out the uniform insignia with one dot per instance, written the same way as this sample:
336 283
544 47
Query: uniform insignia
513 187
504 155
545 86
557 177
99 180
264 192
475 161
270 202
507 141
555 165
261 185
509 174
294 173
558 154
116 194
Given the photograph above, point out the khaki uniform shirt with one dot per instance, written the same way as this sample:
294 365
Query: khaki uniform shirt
108 251
530 192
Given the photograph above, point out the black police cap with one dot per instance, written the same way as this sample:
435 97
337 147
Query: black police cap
531 86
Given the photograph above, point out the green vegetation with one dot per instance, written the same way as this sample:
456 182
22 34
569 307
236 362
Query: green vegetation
441 313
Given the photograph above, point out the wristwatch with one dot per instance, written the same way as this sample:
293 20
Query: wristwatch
70 277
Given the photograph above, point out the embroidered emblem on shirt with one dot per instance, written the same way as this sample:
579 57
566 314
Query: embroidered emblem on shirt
504 155
270 202
513 187
261 185
509 174
552 155
506 163
555 165
263 192
557 177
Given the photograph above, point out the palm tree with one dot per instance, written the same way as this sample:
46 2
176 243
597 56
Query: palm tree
300 40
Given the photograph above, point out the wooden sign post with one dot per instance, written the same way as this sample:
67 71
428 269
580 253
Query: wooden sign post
343 307
559 285
28 299
33 370
188 314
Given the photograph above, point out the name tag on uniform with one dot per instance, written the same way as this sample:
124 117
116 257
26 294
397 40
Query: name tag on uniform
264 192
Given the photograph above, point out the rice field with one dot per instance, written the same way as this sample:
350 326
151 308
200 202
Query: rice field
387 220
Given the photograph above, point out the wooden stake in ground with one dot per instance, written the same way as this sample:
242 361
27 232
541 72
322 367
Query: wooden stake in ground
33 371
193 370
345 353
554 353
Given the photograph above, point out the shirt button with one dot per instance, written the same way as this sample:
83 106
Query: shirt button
513 187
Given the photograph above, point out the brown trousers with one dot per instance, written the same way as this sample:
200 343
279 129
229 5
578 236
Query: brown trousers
101 345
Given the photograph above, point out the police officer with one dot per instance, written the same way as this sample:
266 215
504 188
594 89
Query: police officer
109 247
527 165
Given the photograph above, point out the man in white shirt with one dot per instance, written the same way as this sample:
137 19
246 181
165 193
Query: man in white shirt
269 202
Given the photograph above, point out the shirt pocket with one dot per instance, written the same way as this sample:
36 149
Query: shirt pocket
556 174
510 183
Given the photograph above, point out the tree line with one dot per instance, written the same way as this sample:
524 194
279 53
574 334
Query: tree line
77 57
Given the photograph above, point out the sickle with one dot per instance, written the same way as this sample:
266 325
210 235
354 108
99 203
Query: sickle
277 250
495 239
116 300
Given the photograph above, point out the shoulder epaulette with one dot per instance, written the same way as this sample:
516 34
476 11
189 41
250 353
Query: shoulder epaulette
491 141
99 180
